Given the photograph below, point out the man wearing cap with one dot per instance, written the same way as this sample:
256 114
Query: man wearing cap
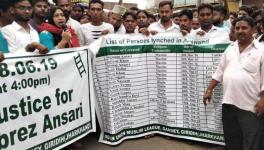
115 18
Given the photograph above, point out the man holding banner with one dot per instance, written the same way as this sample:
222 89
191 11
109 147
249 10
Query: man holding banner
241 70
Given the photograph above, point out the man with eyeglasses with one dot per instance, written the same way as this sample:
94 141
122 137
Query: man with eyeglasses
20 35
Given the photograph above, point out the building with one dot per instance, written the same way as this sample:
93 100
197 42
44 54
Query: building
110 5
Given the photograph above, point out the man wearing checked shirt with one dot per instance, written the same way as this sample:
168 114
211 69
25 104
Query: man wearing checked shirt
241 70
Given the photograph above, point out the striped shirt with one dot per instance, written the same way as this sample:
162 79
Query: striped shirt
88 33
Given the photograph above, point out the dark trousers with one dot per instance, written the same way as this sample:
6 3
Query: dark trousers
242 129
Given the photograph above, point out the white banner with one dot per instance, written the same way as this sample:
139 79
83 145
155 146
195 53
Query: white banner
46 101
147 85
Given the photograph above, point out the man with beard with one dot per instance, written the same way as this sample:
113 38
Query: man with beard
185 21
205 14
20 35
115 19
40 10
241 70
77 12
219 15
66 6
93 30
165 24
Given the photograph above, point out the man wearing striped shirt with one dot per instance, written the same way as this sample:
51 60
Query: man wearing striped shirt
92 31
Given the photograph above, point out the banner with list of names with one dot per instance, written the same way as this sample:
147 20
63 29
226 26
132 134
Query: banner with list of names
146 85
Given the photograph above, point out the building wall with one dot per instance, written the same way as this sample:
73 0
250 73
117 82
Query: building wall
110 5
252 2
233 5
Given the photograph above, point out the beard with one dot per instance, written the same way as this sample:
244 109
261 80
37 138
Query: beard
216 22
66 14
164 19
206 24
22 18
183 27
41 14
241 37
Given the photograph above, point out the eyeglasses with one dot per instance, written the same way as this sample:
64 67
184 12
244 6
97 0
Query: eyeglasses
24 8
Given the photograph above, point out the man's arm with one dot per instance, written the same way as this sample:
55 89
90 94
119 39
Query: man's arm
81 36
208 92
216 78
10 38
259 107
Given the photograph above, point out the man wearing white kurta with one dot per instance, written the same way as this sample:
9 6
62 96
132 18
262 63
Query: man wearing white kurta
241 70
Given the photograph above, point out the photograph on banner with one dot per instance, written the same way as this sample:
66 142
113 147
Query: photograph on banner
146 85
47 101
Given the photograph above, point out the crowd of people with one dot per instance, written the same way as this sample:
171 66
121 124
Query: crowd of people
38 26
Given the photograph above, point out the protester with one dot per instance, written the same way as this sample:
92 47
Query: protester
205 13
20 35
232 17
232 36
85 19
195 13
176 18
142 19
165 24
134 10
91 31
195 23
241 71
261 37
56 34
40 10
257 16
151 19
115 19
219 15
77 12
185 21
66 6
244 11
6 18
130 22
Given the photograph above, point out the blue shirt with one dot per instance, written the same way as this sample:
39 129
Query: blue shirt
47 39
3 44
